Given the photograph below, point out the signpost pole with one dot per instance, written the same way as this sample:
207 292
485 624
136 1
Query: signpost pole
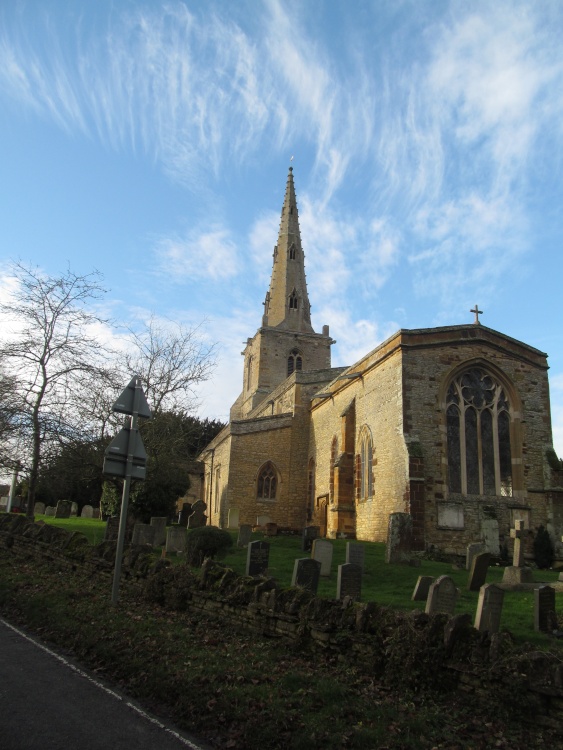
125 497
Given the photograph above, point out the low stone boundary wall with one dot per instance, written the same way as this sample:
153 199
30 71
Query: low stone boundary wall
413 650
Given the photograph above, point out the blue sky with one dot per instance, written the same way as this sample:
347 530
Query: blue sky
151 140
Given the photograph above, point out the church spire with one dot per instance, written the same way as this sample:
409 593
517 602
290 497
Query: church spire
287 302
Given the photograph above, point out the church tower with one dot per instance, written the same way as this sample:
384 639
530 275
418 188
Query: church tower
286 341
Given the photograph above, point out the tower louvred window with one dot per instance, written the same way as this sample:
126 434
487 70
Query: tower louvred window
294 361
293 301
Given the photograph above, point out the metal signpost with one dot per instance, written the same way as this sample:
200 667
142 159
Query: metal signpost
126 457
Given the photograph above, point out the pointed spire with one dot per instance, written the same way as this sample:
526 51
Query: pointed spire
287 302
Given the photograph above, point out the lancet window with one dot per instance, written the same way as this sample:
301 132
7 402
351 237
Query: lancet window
365 467
294 361
293 300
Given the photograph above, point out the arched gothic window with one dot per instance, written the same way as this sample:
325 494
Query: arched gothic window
248 373
293 301
365 468
478 434
294 361
333 455
292 252
267 482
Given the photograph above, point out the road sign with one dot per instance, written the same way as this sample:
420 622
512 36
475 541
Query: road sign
127 442
126 402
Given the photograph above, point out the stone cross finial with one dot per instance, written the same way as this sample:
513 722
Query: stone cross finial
477 313
516 533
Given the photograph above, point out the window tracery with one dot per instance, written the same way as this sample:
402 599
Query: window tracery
267 482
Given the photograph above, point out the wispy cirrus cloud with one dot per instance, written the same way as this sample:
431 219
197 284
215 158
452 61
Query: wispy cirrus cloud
209 253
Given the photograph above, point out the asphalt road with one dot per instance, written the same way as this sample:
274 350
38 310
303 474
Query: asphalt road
49 703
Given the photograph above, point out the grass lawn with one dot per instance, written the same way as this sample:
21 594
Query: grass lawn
92 528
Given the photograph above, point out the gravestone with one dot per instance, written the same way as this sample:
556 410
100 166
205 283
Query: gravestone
489 608
442 596
112 529
262 520
421 589
355 554
310 533
349 582
233 521
197 517
306 574
489 533
517 572
478 572
50 510
159 523
271 529
399 538
63 509
39 509
184 514
322 552
176 539
87 512
257 558
96 513
143 533
244 534
544 609
471 551
74 510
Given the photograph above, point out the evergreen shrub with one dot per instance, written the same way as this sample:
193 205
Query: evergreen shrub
543 549
207 541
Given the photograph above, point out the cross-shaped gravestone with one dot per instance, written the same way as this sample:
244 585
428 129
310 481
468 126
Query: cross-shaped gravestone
516 533
477 313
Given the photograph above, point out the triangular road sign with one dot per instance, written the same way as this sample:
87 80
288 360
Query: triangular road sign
126 402
120 445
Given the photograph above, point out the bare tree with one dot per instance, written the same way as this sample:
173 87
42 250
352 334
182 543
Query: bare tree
50 343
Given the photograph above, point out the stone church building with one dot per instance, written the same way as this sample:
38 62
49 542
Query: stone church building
451 425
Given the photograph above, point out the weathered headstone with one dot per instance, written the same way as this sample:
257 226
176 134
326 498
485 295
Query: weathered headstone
489 608
143 533
489 533
197 517
112 529
271 529
96 513
244 534
544 609
63 509
262 520
50 510
306 574
471 551
355 554
442 596
517 572
184 514
349 582
257 558
74 510
399 538
87 512
176 539
421 589
310 533
39 509
233 521
516 533
322 552
159 523
478 572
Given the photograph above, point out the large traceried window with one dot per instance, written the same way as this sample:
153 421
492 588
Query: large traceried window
478 434
267 482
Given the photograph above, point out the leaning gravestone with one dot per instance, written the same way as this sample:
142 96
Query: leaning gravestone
197 516
421 589
74 510
87 512
244 534
349 582
143 533
399 538
257 558
478 572
355 554
442 596
176 539
489 608
50 511
63 509
233 521
471 551
306 574
517 572
310 533
322 552
544 609
159 523
39 509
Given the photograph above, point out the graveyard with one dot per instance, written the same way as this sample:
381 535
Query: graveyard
357 685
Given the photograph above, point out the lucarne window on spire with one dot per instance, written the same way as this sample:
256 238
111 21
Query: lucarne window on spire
292 252
293 301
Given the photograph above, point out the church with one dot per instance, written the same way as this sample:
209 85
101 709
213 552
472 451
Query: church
451 425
